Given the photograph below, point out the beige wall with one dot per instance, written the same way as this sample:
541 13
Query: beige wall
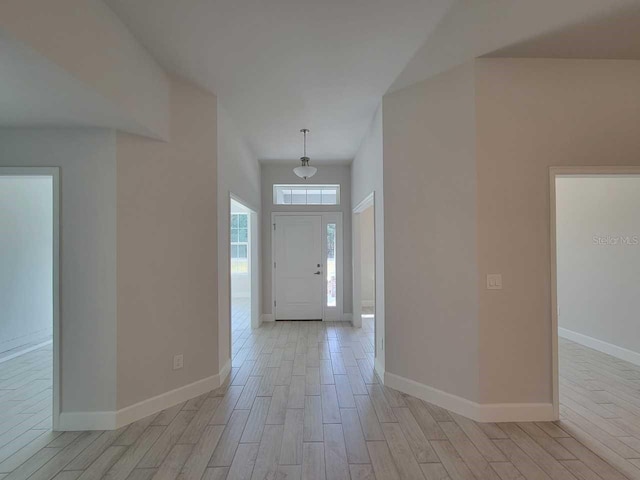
87 40
430 233
470 151
533 114
167 251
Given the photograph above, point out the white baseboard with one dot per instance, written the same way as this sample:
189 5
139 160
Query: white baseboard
601 346
24 350
77 421
379 369
32 338
112 420
266 317
488 412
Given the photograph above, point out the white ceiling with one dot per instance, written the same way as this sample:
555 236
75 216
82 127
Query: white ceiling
281 65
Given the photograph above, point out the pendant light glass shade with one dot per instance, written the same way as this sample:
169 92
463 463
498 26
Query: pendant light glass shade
305 170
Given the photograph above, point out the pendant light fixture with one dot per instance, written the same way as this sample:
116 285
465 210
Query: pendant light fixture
305 171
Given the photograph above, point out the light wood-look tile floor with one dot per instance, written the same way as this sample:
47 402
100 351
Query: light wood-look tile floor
303 402
240 322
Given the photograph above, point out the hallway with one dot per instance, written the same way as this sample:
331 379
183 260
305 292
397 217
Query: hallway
303 402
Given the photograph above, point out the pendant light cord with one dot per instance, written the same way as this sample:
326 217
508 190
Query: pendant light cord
304 133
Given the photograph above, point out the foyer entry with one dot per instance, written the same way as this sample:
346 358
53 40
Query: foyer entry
307 267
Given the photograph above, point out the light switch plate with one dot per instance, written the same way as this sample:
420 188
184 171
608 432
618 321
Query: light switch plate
494 281
178 362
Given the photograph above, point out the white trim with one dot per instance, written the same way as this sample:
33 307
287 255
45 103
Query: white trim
487 412
168 399
366 202
601 346
266 317
379 369
77 421
80 421
223 373
567 172
25 350
54 173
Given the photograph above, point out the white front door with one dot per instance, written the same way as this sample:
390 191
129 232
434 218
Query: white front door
298 267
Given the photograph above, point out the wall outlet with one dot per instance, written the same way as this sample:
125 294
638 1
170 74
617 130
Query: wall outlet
178 362
494 281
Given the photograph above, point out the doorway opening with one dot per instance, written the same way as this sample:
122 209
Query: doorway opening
364 271
595 254
243 256
307 266
29 297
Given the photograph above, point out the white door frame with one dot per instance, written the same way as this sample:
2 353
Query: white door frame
254 270
555 172
327 217
54 173
367 202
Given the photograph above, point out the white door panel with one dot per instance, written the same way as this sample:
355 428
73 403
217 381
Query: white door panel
298 257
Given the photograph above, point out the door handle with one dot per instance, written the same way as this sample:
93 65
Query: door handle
318 273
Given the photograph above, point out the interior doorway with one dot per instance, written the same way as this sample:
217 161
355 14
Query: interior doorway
595 247
29 323
243 257
364 266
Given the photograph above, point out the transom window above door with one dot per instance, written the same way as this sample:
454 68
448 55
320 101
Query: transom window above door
306 194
